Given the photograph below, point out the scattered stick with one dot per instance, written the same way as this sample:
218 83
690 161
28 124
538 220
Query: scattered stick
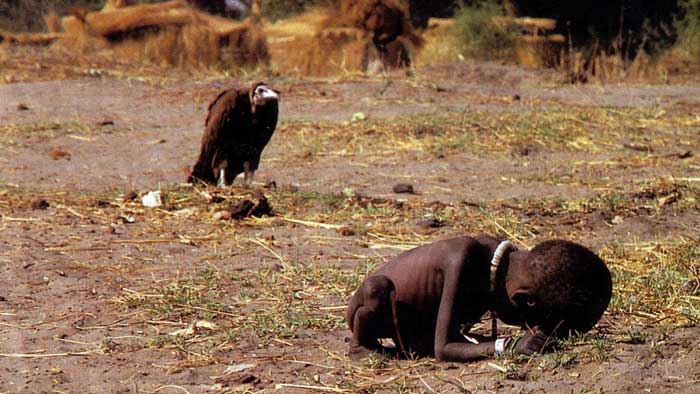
48 355
302 386
74 249
425 383
511 235
207 310
277 255
169 386
73 211
164 240
310 363
313 224
11 219
497 367
333 308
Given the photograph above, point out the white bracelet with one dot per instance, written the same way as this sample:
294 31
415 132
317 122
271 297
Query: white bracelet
500 346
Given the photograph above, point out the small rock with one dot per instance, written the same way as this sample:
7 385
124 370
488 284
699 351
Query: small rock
516 97
127 219
40 204
57 154
523 150
691 286
403 188
346 231
131 196
221 215
241 209
429 223
22 107
248 378
244 208
262 208
102 204
685 154
106 122
270 185
617 219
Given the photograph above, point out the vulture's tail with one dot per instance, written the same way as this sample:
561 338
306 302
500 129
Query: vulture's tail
202 171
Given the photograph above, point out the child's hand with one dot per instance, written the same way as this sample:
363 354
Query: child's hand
531 343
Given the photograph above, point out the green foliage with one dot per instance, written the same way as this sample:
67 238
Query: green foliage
479 36
27 15
688 27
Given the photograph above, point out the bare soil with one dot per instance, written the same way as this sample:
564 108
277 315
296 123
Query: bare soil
96 286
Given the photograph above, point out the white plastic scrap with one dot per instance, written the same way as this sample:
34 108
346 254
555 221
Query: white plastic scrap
152 199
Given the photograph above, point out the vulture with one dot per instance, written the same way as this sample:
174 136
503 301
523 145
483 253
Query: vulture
238 126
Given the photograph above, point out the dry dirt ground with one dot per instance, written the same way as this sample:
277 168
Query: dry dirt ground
100 294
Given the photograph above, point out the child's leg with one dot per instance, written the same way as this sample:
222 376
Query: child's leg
371 316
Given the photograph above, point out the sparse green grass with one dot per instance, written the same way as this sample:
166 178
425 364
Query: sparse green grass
276 303
10 133
649 279
568 129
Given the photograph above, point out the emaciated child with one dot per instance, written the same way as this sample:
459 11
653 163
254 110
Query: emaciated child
427 299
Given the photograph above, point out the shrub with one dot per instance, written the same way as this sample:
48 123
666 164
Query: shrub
478 35
27 15
688 27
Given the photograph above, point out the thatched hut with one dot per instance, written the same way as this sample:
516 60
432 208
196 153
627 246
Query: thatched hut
171 32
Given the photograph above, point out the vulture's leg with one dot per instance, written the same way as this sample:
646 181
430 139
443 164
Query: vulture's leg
222 178
222 166
247 174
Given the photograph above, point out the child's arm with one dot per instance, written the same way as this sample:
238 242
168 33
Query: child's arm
448 348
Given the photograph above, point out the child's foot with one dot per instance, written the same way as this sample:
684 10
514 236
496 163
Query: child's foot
357 353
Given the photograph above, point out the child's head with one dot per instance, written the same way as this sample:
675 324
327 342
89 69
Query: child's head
561 287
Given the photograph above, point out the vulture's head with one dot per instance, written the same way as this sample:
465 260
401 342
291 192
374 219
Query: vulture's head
261 94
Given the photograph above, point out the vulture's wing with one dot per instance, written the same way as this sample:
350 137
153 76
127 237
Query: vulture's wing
213 103
221 111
